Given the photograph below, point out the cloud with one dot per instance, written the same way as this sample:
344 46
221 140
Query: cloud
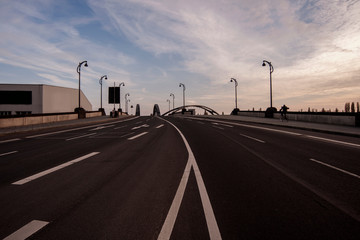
217 38
155 44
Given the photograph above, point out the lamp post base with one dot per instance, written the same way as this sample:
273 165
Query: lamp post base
269 113
102 110
81 112
235 111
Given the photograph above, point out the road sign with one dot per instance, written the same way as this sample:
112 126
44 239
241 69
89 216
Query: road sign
114 94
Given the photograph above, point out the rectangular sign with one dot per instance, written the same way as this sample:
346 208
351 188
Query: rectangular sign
114 95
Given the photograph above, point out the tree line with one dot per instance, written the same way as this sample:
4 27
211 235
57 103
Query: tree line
351 107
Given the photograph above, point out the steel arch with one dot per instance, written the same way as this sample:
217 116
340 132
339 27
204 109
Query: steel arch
207 109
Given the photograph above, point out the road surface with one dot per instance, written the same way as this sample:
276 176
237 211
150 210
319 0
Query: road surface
179 178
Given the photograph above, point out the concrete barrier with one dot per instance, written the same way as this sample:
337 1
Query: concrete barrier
327 118
93 114
32 120
316 118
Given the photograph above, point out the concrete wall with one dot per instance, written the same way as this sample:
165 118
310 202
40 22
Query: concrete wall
31 120
309 117
34 108
317 118
252 114
93 114
60 99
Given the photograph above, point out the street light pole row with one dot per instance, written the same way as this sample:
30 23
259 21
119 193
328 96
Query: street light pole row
101 83
271 71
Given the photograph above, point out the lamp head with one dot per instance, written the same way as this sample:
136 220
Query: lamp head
105 77
85 64
263 64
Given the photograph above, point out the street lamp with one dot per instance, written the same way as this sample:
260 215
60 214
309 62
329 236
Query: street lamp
182 85
171 94
101 82
78 71
236 84
126 102
271 71
121 84
168 102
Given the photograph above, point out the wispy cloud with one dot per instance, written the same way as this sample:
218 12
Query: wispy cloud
307 41
313 45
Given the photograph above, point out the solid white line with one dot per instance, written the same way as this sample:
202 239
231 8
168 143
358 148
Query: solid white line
120 127
144 125
218 127
168 226
27 230
169 223
160 126
10 140
74 129
221 124
251 126
43 173
334 141
136 136
8 153
86 135
101 127
339 169
258 140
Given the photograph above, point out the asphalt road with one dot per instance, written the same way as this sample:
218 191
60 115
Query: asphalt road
179 178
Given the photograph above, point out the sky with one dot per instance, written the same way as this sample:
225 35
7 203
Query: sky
154 45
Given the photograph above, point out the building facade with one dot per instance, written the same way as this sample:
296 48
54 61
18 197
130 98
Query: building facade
19 99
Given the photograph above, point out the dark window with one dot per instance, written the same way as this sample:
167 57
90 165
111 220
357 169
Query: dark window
16 97
23 113
5 113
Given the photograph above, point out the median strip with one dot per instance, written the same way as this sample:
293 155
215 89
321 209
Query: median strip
43 173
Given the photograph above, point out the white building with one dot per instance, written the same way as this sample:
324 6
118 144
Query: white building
39 98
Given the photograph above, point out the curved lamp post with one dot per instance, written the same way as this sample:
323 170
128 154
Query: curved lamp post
121 84
182 85
172 95
236 84
168 102
101 82
271 71
78 71
126 102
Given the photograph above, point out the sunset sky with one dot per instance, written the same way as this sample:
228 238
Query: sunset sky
153 46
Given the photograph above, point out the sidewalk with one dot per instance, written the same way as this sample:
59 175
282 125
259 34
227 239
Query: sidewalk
318 127
69 123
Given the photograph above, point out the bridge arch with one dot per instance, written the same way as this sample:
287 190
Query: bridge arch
179 109
156 111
